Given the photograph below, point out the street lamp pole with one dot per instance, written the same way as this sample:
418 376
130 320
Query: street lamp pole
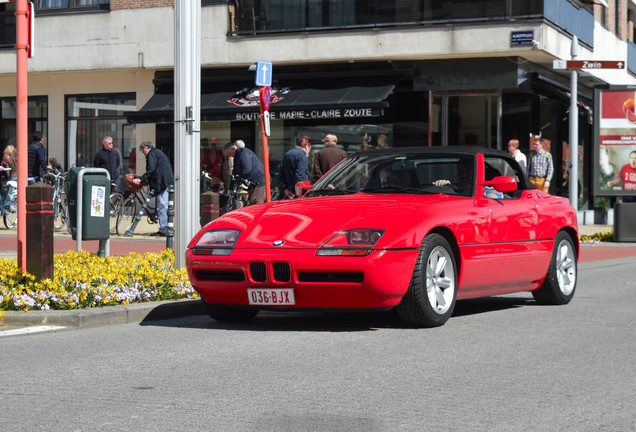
187 123
573 175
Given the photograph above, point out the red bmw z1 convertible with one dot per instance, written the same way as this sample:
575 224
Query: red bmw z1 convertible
408 228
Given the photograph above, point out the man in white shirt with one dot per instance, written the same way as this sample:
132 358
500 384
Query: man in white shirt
513 149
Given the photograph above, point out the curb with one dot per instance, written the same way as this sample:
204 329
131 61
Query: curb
107 315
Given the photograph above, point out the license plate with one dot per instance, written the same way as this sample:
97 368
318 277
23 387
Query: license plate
271 296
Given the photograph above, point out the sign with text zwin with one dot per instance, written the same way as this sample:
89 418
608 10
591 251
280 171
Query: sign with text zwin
588 64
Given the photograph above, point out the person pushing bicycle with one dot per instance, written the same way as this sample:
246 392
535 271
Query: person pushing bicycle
159 175
249 167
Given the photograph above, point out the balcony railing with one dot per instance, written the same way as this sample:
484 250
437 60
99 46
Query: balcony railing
278 16
251 17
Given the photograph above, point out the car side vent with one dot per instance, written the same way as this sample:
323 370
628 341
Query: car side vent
220 275
282 272
258 271
331 277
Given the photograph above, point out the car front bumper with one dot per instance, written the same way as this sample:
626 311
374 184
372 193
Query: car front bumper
377 280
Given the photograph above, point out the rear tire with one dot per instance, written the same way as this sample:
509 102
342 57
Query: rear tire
116 203
560 283
126 215
59 212
224 313
430 299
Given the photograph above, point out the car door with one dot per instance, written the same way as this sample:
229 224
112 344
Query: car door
516 233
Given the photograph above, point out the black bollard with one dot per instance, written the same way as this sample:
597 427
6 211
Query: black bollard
170 231
39 230
209 207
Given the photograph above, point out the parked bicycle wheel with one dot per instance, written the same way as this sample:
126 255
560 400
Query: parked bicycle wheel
116 203
60 211
11 211
126 216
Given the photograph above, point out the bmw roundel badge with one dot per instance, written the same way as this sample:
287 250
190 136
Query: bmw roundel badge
278 243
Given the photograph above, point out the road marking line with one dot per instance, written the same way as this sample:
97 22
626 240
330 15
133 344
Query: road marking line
29 330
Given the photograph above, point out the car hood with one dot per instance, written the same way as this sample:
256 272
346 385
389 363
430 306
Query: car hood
310 222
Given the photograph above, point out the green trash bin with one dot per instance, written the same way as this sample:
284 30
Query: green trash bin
95 212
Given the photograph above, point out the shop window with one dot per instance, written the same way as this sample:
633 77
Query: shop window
38 119
66 6
89 118
7 26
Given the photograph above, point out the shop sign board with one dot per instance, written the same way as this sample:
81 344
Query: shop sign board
312 114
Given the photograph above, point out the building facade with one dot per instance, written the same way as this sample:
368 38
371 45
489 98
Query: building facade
375 73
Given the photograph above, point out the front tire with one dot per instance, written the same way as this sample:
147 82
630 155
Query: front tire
224 313
126 215
430 299
11 212
560 283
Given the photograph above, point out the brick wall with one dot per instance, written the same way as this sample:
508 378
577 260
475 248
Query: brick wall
139 4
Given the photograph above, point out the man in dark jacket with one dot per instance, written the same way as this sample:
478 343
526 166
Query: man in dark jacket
294 167
108 158
37 158
159 175
328 157
248 166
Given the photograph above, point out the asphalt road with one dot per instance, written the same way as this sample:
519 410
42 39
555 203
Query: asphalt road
499 364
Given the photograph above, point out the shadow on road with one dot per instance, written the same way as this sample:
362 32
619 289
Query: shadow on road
320 321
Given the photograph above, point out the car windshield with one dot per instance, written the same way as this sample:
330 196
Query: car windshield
400 173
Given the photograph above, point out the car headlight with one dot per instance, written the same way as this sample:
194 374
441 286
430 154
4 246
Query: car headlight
216 242
353 242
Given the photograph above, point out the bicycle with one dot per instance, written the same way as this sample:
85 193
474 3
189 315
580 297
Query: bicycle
139 195
60 204
117 198
236 198
9 197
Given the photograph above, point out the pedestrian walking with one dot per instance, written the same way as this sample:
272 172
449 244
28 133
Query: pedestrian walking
513 149
540 166
328 157
37 159
108 158
295 167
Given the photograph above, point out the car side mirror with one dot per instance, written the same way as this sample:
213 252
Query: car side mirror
502 184
302 187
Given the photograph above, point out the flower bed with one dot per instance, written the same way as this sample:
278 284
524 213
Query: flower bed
599 237
84 280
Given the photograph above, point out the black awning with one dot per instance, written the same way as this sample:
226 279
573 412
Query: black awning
296 100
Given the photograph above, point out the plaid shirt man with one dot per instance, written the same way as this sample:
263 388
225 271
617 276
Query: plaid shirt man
540 165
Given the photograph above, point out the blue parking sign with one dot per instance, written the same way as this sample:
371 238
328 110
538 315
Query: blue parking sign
263 74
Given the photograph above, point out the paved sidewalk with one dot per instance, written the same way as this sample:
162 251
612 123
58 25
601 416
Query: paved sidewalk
119 246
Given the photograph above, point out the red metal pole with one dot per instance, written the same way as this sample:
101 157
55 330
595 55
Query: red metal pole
265 150
22 124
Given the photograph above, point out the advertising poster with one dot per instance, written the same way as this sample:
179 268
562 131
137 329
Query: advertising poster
615 130
98 195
